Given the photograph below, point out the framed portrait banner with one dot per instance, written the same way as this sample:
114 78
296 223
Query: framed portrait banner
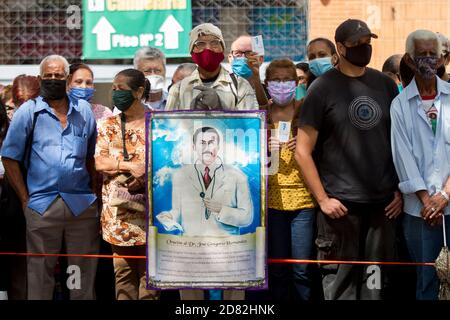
206 196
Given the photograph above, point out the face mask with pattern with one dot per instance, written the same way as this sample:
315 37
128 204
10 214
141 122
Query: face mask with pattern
426 66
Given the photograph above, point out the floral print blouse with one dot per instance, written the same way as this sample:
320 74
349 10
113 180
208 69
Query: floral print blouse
120 227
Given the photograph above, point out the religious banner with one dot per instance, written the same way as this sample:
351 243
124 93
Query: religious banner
206 200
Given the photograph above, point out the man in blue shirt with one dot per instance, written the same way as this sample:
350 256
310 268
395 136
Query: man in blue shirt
421 153
57 193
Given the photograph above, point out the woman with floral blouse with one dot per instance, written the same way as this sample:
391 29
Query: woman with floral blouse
120 156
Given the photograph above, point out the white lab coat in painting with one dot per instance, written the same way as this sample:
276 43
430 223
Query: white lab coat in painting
229 187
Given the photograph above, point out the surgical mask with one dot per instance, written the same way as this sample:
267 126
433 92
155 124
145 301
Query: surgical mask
320 65
400 87
207 59
52 89
281 92
81 93
123 99
426 66
241 68
157 83
359 55
300 91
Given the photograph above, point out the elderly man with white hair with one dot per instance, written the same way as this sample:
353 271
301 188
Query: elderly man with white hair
421 151
53 138
152 63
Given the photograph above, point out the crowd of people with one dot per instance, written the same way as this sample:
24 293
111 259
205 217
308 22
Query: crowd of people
364 175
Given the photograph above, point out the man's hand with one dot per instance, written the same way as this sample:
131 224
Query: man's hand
395 208
212 205
333 208
436 220
253 63
434 207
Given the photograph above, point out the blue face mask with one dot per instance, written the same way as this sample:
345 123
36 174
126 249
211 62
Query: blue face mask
241 68
400 87
320 65
300 91
81 93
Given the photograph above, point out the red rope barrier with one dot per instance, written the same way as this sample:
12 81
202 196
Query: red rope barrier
289 261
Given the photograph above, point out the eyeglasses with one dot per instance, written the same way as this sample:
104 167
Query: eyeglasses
213 44
238 53
151 71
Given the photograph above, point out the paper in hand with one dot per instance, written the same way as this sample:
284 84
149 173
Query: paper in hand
258 45
284 130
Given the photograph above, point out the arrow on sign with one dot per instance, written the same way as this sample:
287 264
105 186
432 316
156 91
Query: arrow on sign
171 28
103 30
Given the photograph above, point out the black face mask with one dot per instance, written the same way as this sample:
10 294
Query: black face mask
359 55
52 89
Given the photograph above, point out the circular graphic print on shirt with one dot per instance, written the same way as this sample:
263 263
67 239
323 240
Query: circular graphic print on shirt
364 113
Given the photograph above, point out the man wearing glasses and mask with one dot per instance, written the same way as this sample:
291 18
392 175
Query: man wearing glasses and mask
207 46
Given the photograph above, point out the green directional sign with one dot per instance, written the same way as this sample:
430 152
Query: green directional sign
115 29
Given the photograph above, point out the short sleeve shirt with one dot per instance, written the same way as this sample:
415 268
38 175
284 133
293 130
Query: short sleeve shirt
353 150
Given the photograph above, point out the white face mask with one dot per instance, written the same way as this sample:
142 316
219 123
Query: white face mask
157 83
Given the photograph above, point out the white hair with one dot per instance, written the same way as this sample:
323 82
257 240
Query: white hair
422 35
54 57
148 53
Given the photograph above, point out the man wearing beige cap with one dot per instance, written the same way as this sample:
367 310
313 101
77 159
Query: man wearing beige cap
207 46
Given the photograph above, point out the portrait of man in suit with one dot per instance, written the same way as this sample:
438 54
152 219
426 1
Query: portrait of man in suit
209 198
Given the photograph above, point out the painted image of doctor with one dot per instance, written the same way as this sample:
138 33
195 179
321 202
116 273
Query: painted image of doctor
209 198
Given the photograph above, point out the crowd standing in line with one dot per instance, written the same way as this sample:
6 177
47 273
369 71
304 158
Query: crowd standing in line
362 176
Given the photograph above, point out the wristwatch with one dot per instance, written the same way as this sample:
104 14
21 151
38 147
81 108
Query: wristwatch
445 195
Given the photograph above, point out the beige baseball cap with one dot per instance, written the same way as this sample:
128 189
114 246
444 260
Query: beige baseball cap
204 30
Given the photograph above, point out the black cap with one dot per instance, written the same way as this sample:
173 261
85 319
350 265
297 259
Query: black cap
352 30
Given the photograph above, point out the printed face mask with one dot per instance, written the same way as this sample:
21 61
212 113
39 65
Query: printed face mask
426 66
320 65
241 68
282 92
81 93
123 99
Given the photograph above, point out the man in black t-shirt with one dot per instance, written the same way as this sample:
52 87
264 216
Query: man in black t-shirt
344 153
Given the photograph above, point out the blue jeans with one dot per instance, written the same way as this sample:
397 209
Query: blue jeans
424 244
291 235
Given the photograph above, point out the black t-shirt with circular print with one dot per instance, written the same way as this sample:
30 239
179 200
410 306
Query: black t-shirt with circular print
353 149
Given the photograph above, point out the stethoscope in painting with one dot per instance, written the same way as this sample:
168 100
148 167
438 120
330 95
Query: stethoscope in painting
213 181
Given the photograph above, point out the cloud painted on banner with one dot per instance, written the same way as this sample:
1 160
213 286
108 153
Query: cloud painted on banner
162 175
168 131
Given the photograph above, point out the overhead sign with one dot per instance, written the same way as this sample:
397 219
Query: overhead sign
115 29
